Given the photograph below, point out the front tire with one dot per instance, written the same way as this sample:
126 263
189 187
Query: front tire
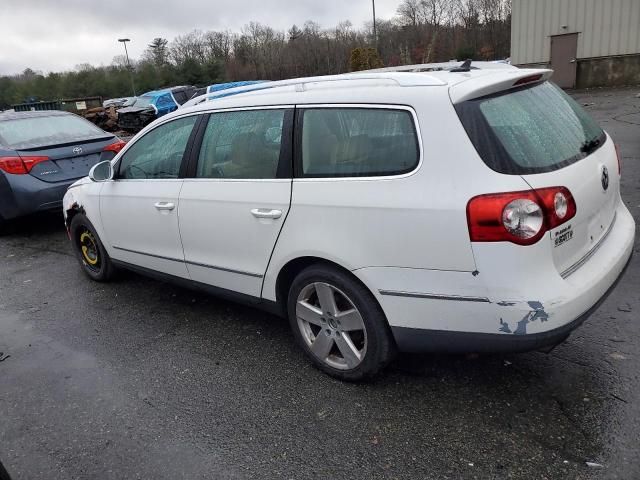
338 323
89 250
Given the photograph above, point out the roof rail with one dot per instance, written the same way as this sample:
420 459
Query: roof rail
401 79
444 66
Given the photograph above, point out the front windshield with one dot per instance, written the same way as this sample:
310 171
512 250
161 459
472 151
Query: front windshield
143 101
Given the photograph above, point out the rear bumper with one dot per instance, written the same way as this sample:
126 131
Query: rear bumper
23 194
420 340
513 302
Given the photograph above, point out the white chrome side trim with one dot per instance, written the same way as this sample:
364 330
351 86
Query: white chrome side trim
433 296
222 269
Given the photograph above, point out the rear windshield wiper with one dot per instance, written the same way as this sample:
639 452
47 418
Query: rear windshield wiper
590 145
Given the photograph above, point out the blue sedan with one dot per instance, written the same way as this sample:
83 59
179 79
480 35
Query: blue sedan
41 154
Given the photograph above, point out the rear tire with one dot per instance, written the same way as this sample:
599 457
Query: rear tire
339 324
89 250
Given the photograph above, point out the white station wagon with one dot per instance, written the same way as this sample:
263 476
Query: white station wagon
459 211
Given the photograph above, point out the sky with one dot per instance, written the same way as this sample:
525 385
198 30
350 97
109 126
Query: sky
57 35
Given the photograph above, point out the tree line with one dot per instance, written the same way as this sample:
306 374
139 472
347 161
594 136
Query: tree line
422 31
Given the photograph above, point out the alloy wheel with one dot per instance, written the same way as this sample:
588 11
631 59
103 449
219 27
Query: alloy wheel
331 326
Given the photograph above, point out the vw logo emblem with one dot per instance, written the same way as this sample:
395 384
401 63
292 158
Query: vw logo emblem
605 178
77 150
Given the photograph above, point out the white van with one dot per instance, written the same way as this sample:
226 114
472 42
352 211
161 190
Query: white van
468 210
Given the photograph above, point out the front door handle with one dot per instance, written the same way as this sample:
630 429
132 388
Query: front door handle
165 206
266 213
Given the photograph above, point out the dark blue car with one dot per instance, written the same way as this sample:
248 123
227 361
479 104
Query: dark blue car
41 154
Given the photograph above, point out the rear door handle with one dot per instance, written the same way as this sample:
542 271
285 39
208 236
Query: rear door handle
165 206
266 213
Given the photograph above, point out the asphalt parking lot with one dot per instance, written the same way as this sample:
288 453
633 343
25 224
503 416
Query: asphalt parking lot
142 379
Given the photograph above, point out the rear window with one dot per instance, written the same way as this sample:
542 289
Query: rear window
45 131
530 130
357 142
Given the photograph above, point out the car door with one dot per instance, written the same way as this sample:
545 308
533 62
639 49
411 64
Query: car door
139 208
234 206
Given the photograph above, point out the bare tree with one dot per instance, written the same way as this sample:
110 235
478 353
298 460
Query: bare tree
421 31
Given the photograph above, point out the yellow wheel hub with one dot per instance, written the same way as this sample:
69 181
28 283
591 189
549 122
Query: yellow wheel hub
89 248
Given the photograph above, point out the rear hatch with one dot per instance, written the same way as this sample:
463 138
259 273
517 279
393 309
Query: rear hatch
538 132
595 185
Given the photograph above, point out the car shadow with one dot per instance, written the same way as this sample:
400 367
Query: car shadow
537 399
44 223
181 350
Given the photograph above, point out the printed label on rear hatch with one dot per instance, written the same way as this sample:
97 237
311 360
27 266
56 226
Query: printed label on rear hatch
563 235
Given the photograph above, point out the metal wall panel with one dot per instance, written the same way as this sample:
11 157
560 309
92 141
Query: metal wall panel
606 27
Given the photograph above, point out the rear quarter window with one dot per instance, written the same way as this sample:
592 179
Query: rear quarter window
357 142
534 129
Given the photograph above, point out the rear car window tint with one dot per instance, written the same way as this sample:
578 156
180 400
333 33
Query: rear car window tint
242 145
158 154
47 130
530 130
357 142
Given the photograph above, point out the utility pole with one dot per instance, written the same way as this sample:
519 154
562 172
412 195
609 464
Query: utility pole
375 31
124 42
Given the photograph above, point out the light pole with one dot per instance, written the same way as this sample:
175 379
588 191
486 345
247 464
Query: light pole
375 32
124 42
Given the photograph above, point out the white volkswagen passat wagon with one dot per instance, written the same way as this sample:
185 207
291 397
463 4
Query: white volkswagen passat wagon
446 211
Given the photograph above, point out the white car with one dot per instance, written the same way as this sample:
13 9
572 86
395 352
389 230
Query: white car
468 210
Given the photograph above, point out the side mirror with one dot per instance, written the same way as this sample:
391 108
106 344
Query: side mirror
101 172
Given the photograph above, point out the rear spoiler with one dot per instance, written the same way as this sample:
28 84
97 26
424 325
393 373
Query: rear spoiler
496 81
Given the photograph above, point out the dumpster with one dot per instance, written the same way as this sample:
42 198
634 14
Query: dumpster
74 105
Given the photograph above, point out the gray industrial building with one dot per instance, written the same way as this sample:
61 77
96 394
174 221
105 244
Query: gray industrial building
588 43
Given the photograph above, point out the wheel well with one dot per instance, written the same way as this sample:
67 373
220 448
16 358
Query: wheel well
289 272
72 212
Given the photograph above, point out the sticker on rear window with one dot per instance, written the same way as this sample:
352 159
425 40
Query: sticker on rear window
563 235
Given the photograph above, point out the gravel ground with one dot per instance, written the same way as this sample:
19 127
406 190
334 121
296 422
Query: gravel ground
142 379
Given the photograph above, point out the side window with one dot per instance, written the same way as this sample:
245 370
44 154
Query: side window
244 144
357 142
158 154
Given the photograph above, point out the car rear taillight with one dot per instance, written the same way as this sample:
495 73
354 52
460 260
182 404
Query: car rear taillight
519 217
619 160
115 147
20 165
